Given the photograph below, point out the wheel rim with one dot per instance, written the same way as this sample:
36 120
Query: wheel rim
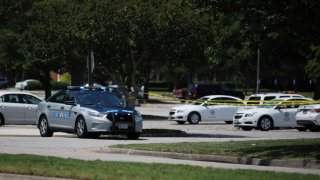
43 126
80 127
265 123
194 118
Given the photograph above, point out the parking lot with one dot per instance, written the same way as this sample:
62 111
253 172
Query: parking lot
25 139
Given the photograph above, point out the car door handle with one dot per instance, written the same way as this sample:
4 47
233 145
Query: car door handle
62 108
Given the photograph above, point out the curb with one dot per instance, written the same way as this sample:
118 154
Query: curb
302 163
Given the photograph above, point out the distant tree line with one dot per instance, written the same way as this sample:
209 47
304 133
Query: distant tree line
134 39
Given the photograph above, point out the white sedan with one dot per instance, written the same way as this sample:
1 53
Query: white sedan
18 108
22 85
309 117
207 108
278 113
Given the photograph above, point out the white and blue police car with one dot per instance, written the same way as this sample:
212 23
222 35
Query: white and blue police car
87 112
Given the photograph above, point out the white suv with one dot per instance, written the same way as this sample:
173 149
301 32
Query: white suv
260 98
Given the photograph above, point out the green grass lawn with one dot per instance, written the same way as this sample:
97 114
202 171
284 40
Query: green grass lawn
277 149
80 169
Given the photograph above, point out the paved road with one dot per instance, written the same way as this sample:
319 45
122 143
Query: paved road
26 139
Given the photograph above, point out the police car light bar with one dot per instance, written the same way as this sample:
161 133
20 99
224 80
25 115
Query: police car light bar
81 88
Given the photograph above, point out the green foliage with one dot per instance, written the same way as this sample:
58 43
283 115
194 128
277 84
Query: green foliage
270 149
80 169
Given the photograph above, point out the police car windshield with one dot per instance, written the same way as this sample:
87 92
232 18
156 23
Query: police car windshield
101 98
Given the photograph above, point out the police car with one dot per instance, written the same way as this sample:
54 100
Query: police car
88 112
277 113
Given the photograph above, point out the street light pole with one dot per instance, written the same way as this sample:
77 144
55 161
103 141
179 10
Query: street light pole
258 70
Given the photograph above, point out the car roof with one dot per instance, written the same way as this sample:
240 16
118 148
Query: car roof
290 98
215 96
275 94
15 92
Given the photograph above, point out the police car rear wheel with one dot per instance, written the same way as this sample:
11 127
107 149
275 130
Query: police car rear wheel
44 127
81 128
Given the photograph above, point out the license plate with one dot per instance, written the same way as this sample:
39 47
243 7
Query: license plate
123 126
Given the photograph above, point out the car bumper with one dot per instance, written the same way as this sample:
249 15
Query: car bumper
245 121
178 117
103 125
308 120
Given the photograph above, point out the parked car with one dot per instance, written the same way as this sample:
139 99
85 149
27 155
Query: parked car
261 98
309 117
207 108
278 113
87 112
3 83
179 93
18 108
23 85
196 91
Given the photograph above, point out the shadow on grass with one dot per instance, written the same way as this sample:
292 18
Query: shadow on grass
179 133
280 151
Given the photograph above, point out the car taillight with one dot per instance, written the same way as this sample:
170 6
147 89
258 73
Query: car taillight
317 110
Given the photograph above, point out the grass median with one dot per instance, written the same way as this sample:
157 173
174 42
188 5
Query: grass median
80 169
270 149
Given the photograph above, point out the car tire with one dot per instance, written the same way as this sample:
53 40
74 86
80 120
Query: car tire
265 123
44 127
181 122
134 135
228 122
245 128
302 128
1 120
81 128
194 118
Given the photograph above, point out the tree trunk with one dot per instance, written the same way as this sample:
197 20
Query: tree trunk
76 69
316 95
45 80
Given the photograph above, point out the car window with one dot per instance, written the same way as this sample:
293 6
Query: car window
254 100
10 98
58 98
105 99
28 99
269 97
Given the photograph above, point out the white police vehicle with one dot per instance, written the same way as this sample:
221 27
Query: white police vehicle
278 113
88 112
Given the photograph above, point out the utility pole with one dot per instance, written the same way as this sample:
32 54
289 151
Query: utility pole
258 70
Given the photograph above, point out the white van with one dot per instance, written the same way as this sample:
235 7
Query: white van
260 98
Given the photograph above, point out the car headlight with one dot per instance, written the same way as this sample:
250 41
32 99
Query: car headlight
180 111
250 114
95 114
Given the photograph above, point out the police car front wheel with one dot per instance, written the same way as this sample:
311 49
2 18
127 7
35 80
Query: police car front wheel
81 128
44 127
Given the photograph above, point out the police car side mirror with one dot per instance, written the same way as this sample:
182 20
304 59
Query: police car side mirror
71 101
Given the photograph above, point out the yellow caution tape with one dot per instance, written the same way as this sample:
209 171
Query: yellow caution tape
240 102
